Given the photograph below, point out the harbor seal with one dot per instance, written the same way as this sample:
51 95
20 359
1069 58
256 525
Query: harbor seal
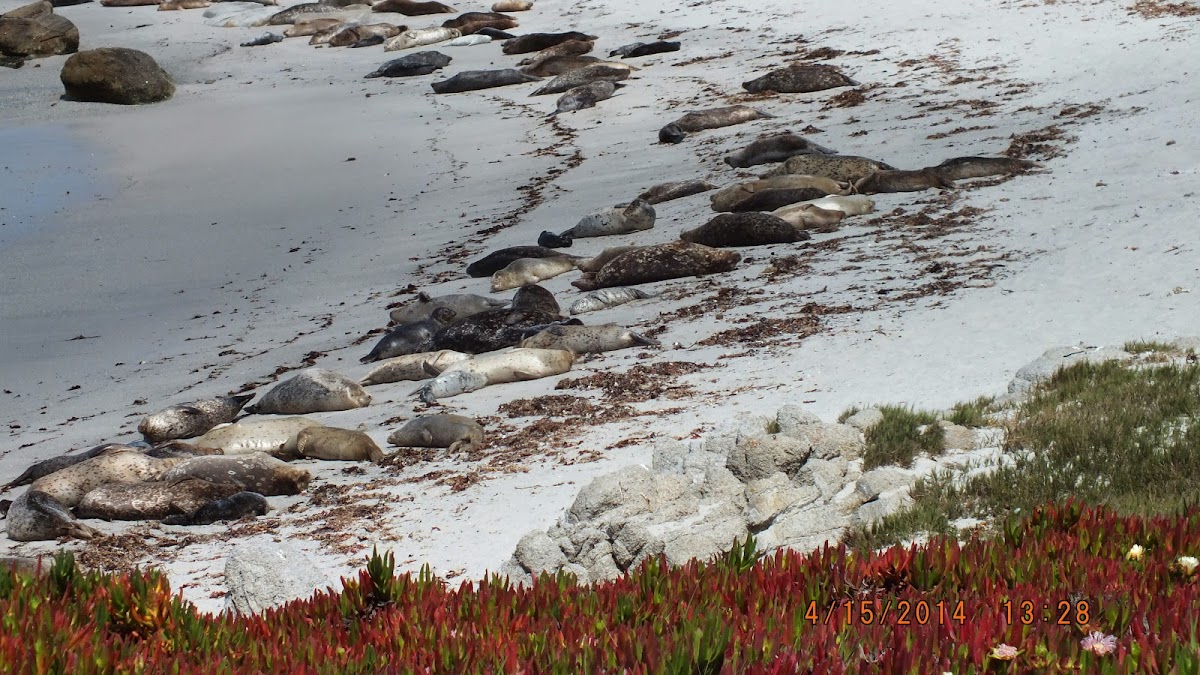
524 271
961 168
472 80
351 35
851 205
660 262
335 444
728 199
176 5
409 338
313 390
537 42
512 6
420 37
601 259
665 192
128 3
49 466
296 12
450 384
420 63
234 507
557 65
114 465
255 435
491 330
191 419
267 39
713 118
516 365
810 218
588 339
494 33
635 216
411 8
498 260
153 500
456 432
751 228
637 49
469 40
607 297
311 27
37 516
463 304
568 48
774 148
585 96
901 181
799 79
411 367
471 22
595 72
535 298
847 168
257 472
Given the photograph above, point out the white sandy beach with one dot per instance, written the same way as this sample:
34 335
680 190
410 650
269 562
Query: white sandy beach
225 233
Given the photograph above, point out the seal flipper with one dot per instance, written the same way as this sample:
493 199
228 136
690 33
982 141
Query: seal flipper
550 240
80 531
639 339
430 369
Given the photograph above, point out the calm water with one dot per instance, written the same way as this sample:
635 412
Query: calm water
43 170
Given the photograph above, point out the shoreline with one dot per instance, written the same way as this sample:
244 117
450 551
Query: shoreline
1079 261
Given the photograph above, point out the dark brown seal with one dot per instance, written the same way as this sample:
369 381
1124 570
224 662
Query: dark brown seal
536 42
745 229
498 260
495 329
410 8
961 168
471 22
660 262
774 148
665 192
153 500
234 507
901 181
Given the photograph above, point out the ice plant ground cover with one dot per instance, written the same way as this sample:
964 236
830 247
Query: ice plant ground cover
1058 591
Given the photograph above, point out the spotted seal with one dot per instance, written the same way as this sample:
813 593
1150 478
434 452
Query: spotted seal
962 168
744 229
153 500
810 217
585 96
463 304
257 472
530 271
846 168
234 507
255 434
774 148
660 262
49 466
411 367
607 297
901 181
713 118
731 198
665 192
799 79
536 42
313 390
409 338
557 65
113 465
37 516
420 37
595 72
194 418
588 339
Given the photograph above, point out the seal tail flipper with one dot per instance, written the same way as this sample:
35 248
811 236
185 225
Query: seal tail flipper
24 479
430 369
80 531
242 399
553 114
639 339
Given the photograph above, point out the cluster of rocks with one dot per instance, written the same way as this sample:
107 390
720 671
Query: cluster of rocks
793 481
106 75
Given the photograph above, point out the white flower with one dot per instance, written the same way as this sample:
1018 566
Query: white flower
1135 552
1099 643
1188 563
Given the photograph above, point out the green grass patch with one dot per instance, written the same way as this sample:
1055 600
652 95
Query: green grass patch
848 413
972 414
900 436
1148 346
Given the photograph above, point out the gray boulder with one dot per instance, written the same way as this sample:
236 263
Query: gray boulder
41 34
261 574
828 441
755 458
1053 359
864 419
116 75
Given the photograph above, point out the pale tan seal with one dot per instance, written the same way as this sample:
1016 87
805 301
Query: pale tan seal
455 432
530 271
744 229
901 181
568 48
665 192
191 419
516 364
255 434
713 118
836 167
411 367
153 500
352 34
810 217
601 259
37 516
312 27
175 5
658 263
115 465
332 443
557 65
313 390
727 199
851 205
512 6
588 339
258 472
419 38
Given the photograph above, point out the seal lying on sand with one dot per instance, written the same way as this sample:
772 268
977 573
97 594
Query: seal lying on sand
471 22
419 38
728 199
450 384
665 192
901 181
632 51
312 27
153 500
114 465
607 297
498 260
635 216
713 118
585 96
352 35
472 80
660 262
588 339
810 218
745 229
568 48
332 443
49 466
536 42
841 168
530 271
420 63
516 365
494 329
409 338
411 8
296 12
258 472
191 419
962 168
411 367
799 80
602 258
851 205
774 148
37 516
512 5
557 65
234 507
440 431
255 435
595 72
313 390
463 304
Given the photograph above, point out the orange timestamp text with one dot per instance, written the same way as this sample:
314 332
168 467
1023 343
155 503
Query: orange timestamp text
900 612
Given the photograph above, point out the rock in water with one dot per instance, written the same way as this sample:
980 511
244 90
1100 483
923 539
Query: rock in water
116 75
39 35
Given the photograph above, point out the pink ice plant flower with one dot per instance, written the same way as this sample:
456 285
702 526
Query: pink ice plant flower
1004 652
1099 643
